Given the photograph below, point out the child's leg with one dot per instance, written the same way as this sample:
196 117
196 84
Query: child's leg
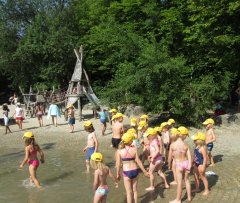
151 175
211 159
97 198
202 170
135 193
162 175
174 182
9 129
104 199
33 175
188 185
104 128
179 186
20 124
128 188
87 166
53 120
196 177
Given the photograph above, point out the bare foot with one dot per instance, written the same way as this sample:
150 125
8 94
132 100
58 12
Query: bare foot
150 189
189 199
173 183
166 186
196 190
175 201
212 165
205 193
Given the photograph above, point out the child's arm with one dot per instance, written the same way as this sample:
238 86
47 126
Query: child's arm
95 182
170 157
156 147
26 157
41 155
118 164
95 142
139 163
213 136
189 159
110 173
204 153
85 148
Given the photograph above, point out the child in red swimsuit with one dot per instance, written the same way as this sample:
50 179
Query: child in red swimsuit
31 149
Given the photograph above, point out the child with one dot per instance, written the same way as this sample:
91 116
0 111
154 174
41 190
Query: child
100 178
103 120
143 126
31 149
200 162
180 152
39 112
54 112
128 160
19 115
5 117
155 158
71 117
144 117
92 142
171 122
210 138
166 139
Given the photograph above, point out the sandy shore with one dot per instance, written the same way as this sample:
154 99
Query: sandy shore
225 186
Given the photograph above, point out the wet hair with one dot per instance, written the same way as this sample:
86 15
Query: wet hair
89 129
98 165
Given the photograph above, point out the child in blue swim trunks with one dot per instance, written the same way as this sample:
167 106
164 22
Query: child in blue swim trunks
92 143
210 138
100 178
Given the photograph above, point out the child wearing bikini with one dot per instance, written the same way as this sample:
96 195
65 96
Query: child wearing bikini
128 160
31 150
155 158
200 162
100 178
180 152
92 143
210 138
39 112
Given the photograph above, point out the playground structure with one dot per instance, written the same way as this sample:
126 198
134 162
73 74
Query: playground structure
78 88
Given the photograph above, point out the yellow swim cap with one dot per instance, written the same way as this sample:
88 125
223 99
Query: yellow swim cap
118 115
128 137
171 121
183 130
142 124
113 111
28 135
208 121
199 136
174 131
150 131
133 121
87 123
96 156
144 116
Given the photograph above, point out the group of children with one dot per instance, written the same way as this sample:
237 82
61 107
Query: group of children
160 145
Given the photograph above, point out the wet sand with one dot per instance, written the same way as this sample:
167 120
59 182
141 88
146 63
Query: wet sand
63 175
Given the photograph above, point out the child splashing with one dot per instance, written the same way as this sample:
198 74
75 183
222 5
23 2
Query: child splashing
31 149
100 178
155 158
180 152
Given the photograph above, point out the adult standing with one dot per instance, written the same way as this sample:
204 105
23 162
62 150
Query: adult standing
54 112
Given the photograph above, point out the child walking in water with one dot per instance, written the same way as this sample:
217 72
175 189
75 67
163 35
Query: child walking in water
155 158
180 152
128 160
39 112
100 178
210 138
5 117
31 150
92 143
103 120
200 162
71 117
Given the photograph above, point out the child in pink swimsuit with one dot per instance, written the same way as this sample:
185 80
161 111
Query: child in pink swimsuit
180 153
31 149
155 158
